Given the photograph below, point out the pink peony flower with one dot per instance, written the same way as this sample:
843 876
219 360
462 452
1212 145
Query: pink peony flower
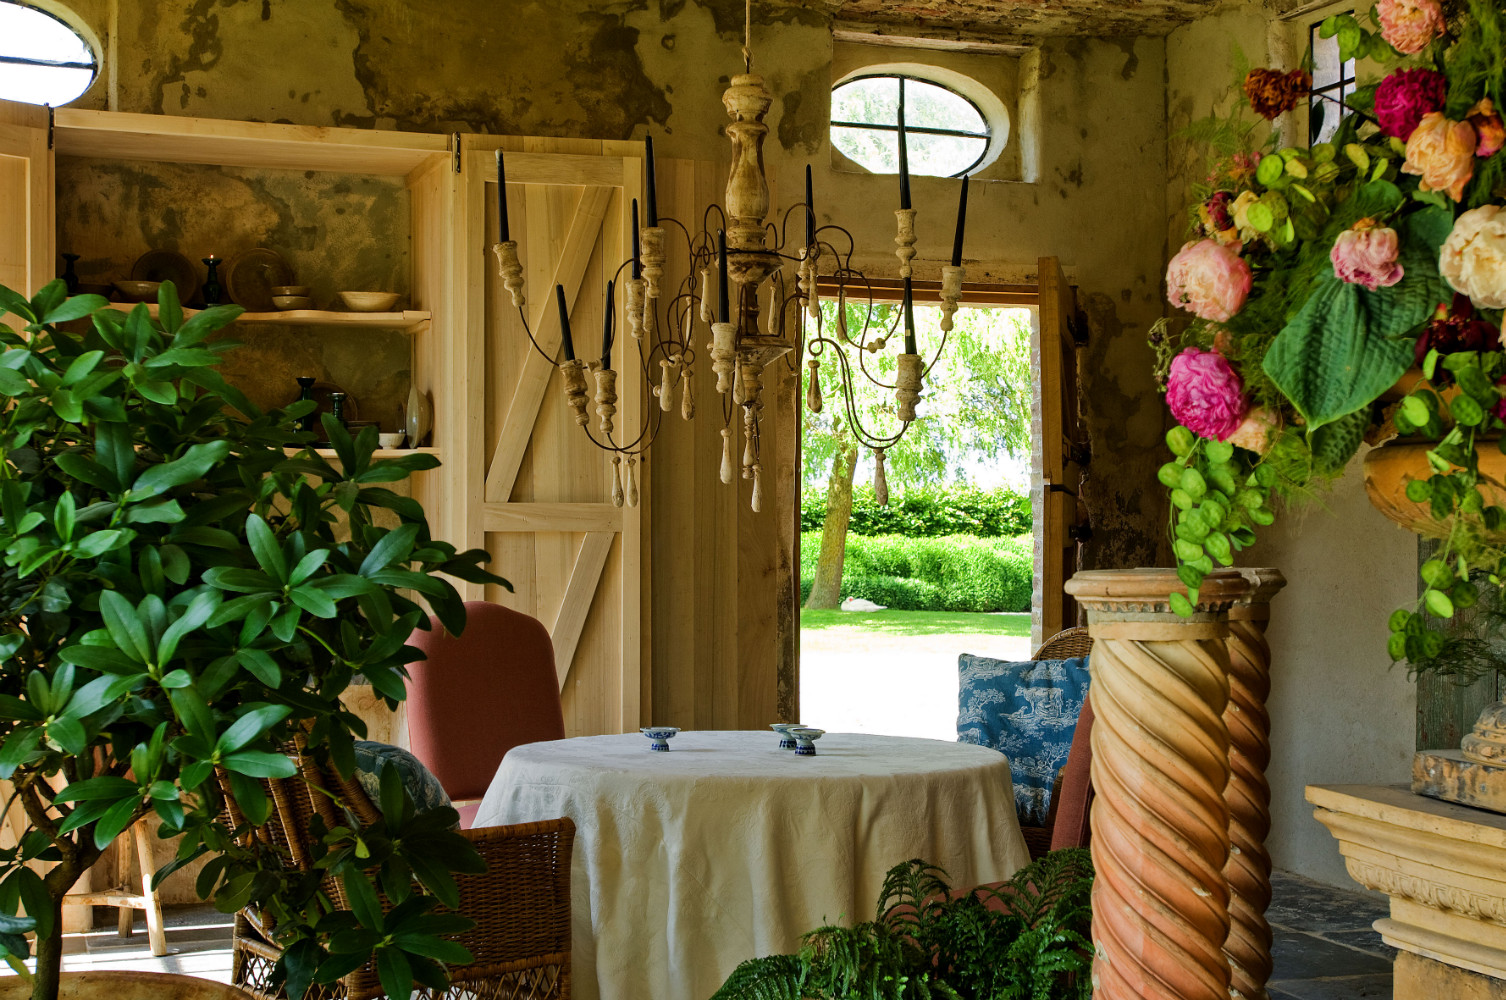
1205 394
1366 255
1443 153
1257 431
1405 96
1488 126
1409 25
1209 280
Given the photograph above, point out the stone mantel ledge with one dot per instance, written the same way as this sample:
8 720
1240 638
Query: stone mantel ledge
1443 865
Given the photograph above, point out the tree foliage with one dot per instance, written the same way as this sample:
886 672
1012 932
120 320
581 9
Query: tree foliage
187 585
975 403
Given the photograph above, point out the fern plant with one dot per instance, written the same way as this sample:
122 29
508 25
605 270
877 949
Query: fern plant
1032 943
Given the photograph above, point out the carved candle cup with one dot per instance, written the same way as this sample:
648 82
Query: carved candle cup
805 740
786 741
660 735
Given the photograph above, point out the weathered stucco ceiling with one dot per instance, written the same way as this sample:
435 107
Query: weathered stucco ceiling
1017 21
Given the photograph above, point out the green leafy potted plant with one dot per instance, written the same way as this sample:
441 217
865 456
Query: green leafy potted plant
1318 276
187 587
1031 941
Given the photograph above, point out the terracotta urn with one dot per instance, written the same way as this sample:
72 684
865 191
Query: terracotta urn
1390 467
108 985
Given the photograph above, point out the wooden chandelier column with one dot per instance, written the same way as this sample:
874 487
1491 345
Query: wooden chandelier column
1160 766
1249 793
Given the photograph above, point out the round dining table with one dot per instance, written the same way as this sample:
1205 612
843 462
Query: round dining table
727 847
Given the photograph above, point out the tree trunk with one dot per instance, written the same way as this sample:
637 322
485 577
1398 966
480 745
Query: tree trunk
826 591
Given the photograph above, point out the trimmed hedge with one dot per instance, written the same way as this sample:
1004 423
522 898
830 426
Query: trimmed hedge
954 573
926 512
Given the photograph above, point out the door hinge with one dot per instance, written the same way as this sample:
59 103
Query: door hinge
51 124
455 146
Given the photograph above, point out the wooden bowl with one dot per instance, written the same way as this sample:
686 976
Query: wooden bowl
369 301
286 302
138 291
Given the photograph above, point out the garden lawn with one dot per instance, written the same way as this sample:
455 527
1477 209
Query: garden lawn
919 622
895 672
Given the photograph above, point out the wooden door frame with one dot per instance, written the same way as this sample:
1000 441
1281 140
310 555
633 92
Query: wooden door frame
988 295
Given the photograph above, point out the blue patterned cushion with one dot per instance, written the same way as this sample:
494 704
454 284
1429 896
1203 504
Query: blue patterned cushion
1027 710
423 787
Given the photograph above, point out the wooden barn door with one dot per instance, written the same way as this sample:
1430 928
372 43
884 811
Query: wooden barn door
1059 437
545 491
26 198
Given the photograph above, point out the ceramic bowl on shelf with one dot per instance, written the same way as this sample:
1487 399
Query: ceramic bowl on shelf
302 290
660 735
286 302
805 740
367 302
786 741
138 291
392 439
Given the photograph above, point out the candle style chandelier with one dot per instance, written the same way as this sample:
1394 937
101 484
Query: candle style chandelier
749 252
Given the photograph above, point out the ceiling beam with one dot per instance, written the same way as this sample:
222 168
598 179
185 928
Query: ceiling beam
913 35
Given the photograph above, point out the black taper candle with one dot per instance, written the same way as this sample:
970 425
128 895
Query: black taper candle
559 297
502 228
653 196
723 306
961 225
637 244
606 330
909 320
810 208
904 162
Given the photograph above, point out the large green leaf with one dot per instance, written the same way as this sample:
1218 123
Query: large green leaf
1347 345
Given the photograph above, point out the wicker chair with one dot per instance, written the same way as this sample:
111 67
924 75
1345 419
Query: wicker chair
521 904
1071 792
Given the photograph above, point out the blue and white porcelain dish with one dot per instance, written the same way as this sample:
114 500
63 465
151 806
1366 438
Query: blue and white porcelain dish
786 741
660 735
805 740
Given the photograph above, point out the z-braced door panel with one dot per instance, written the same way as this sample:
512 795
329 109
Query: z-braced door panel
26 198
547 516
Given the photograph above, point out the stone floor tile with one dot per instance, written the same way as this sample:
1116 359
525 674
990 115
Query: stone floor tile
1305 956
1302 904
1341 988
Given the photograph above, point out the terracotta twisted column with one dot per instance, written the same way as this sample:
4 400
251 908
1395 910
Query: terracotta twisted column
1160 765
1249 793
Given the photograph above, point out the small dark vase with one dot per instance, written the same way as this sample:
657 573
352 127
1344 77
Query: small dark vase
211 289
306 391
337 404
69 275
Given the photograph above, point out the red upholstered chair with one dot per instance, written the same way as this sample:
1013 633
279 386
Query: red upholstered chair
478 695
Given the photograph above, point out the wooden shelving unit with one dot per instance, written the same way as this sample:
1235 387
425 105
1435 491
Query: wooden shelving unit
328 454
409 320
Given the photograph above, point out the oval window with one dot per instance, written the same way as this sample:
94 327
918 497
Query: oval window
42 59
946 135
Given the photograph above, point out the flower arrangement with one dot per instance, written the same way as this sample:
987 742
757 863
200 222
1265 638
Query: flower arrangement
1316 277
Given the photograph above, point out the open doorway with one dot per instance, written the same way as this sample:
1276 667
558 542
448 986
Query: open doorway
892 593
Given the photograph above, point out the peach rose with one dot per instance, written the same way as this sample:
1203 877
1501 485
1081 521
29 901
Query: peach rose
1409 25
1209 280
1442 152
1473 258
1257 431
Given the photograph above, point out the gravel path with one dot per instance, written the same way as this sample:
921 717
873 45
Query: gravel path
853 681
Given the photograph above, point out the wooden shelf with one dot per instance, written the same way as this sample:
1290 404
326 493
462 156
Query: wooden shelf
408 320
329 453
179 139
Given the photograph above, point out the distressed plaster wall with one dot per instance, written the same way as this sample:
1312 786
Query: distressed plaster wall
1339 712
596 69
337 232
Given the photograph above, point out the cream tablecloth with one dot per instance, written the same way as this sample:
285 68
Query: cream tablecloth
726 847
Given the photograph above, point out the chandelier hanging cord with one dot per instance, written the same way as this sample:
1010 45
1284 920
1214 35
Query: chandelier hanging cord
865 437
